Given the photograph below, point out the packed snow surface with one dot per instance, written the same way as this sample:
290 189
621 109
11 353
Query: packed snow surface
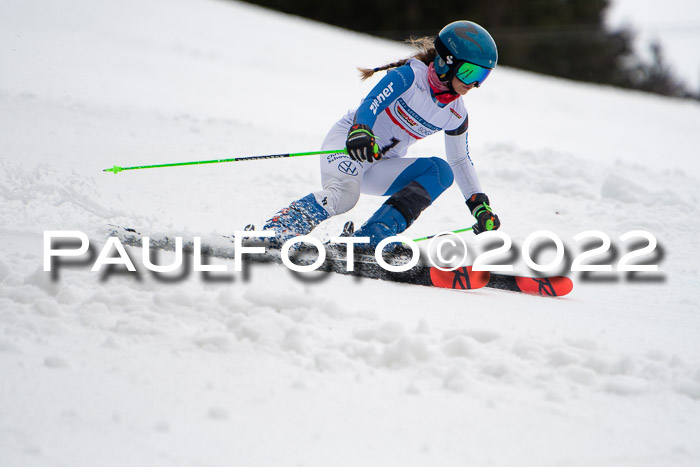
270 368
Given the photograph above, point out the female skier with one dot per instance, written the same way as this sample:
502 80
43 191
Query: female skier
419 96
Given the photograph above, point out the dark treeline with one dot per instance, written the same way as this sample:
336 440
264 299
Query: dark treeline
565 38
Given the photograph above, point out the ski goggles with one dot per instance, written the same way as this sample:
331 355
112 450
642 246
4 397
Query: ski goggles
469 73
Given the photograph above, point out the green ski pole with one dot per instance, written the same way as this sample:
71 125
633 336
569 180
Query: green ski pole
116 169
432 236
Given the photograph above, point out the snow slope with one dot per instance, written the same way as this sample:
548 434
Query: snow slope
269 368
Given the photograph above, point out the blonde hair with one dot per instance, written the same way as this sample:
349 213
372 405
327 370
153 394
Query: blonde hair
426 54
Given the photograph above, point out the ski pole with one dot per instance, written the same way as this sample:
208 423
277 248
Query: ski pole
432 236
116 169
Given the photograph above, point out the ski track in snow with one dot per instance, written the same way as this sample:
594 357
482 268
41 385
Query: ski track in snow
267 368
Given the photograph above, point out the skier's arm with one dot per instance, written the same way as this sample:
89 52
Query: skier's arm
457 151
361 144
395 83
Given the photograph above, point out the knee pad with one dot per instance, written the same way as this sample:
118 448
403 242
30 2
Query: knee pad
410 201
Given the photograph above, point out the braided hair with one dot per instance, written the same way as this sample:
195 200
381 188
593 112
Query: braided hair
426 54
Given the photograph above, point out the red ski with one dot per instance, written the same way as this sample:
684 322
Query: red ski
555 286
461 278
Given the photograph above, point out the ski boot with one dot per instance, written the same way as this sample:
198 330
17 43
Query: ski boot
300 218
384 223
394 216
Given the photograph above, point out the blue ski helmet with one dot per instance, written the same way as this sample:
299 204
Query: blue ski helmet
460 42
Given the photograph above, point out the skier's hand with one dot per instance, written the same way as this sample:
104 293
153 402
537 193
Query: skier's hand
479 206
361 144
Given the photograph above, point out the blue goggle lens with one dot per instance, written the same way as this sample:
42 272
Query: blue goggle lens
469 73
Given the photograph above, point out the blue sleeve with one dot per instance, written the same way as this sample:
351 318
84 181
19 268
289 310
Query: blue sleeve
395 83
